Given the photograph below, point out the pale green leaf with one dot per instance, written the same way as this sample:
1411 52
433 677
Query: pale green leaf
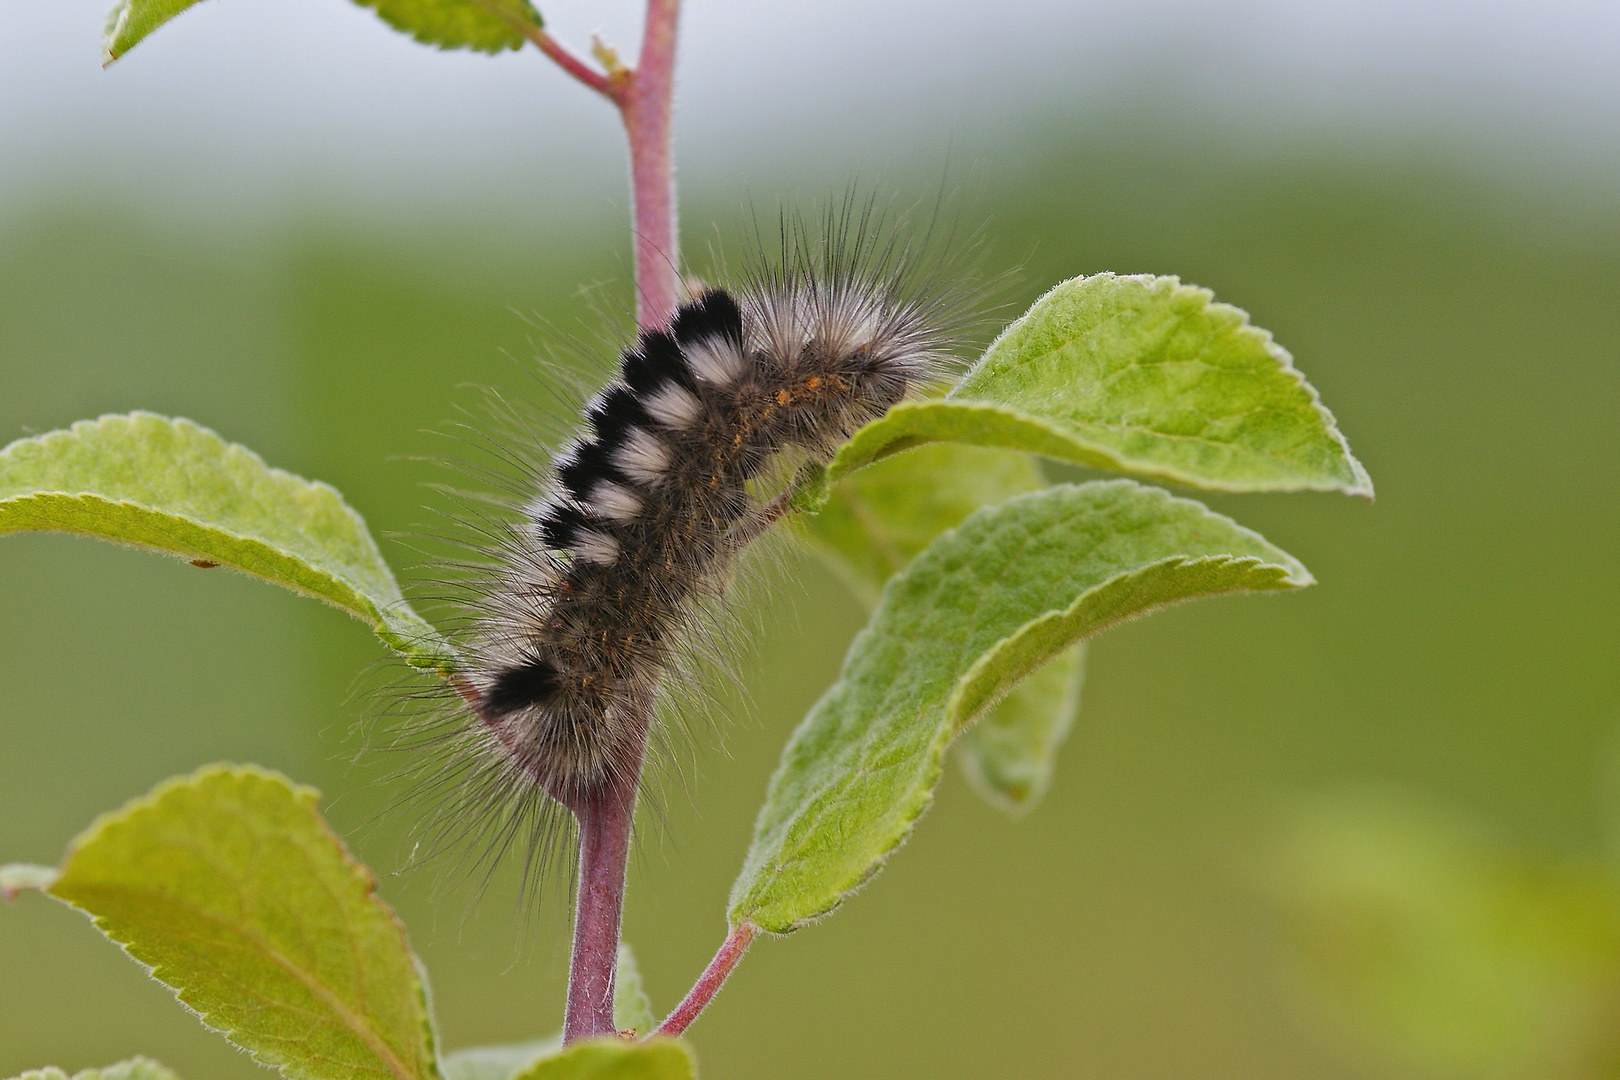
613 1058
878 519
1009 755
1140 375
482 25
978 611
229 886
137 1068
175 487
632 1011
875 521
498 1062
24 877
1424 938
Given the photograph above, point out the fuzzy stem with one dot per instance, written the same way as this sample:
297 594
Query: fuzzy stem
645 98
646 105
709 983
604 850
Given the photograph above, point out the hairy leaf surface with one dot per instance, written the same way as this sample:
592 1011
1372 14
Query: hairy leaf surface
136 1068
1140 375
978 611
877 520
229 886
612 1058
175 487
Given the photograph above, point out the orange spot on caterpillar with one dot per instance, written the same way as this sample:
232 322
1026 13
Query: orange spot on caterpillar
813 382
204 564
783 397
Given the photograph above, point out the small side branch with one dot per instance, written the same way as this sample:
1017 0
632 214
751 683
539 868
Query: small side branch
570 63
709 983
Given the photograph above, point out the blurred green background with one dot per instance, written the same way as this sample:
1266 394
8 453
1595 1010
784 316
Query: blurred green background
1461 318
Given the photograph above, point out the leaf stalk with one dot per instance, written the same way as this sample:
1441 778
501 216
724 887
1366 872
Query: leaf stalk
709 983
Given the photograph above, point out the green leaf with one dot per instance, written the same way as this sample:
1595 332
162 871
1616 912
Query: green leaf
173 486
878 519
1140 375
971 617
24 877
131 20
1432 942
498 1062
1009 755
612 1058
137 1068
482 25
229 886
632 1011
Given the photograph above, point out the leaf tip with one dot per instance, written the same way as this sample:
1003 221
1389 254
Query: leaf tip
18 878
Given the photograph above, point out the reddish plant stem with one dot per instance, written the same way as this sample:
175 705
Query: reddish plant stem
709 983
645 97
604 850
647 106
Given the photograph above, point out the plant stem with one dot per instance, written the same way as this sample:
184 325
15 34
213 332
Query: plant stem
646 106
709 983
604 848
645 97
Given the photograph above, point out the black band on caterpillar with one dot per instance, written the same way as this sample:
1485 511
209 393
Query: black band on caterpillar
594 597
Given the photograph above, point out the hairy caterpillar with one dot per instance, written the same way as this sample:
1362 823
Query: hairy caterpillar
591 593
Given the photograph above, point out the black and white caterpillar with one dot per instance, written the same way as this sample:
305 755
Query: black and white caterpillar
593 594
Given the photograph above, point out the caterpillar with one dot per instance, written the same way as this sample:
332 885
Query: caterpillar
592 591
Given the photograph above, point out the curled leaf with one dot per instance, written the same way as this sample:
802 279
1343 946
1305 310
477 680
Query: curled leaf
983 607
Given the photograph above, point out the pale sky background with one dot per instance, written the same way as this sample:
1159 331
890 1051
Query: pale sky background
241 103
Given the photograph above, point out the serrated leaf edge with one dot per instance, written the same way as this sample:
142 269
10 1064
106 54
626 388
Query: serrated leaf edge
1361 481
309 797
961 709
